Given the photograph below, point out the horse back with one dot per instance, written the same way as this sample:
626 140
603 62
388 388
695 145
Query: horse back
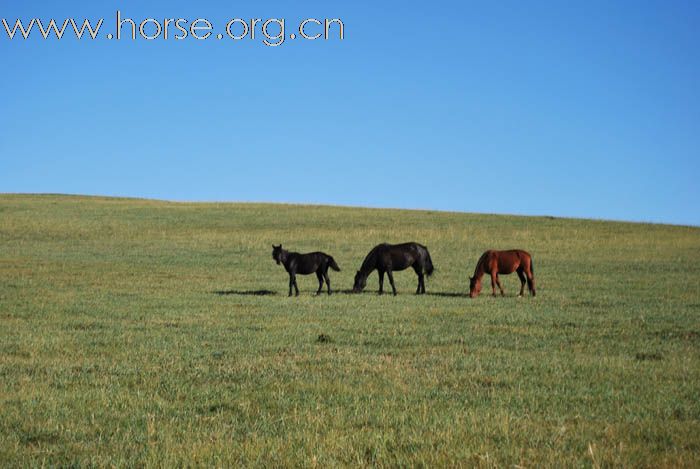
401 256
511 260
308 263
523 256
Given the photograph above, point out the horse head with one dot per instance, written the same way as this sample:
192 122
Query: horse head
474 287
360 282
277 253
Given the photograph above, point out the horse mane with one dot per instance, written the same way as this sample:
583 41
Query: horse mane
480 263
371 259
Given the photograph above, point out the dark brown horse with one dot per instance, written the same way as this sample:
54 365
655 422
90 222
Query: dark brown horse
387 258
503 262
304 264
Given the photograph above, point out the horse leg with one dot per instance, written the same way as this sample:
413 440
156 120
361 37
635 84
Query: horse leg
421 284
291 283
530 281
522 280
294 281
381 282
328 281
421 287
391 281
498 282
319 276
493 283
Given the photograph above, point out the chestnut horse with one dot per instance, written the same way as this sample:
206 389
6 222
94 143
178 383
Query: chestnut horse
503 262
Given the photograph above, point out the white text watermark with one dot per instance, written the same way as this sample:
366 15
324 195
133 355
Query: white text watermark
271 32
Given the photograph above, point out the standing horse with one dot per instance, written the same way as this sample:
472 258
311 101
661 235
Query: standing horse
304 264
503 262
387 258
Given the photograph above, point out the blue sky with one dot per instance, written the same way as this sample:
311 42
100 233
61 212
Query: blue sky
580 109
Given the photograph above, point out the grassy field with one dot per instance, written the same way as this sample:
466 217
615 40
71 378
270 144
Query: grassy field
137 332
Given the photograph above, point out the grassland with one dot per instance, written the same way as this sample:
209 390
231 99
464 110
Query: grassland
131 335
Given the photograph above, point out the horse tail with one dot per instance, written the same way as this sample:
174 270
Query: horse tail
429 269
532 266
332 264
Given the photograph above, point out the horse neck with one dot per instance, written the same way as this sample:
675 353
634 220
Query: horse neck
369 264
284 256
480 270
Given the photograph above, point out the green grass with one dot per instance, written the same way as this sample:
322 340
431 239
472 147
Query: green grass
116 349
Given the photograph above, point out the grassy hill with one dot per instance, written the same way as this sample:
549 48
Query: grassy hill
137 332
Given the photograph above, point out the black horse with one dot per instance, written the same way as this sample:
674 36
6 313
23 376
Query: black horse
389 258
304 264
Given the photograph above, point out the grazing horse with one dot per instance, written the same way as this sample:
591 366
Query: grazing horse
304 264
387 258
503 262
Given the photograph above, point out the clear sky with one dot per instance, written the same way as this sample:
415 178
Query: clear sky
580 109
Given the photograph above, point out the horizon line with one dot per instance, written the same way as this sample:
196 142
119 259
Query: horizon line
349 206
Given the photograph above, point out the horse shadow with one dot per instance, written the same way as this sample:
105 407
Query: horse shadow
245 292
342 292
349 291
429 293
446 294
